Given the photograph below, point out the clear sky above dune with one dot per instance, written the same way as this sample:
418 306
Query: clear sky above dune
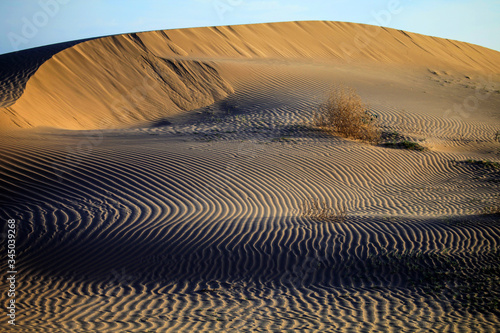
30 23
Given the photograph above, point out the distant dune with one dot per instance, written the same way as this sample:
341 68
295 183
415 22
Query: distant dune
127 79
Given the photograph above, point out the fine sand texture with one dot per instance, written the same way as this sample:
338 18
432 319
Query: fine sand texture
158 183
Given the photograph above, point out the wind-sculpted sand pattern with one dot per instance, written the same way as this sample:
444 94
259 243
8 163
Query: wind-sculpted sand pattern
167 232
194 223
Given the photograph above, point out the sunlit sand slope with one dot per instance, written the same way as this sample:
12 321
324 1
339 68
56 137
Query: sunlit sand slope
16 68
104 82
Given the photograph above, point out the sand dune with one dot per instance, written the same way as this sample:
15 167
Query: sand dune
125 79
113 81
177 221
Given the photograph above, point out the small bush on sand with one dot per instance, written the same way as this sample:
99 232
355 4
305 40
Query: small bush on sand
345 114
405 144
321 211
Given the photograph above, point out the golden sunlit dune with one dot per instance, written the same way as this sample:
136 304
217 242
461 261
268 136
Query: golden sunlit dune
125 79
159 182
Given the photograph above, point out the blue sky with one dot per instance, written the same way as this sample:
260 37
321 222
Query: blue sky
30 23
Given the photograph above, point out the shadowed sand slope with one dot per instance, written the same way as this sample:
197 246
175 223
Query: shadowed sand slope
128 79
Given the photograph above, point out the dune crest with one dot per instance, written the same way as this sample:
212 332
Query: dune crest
113 82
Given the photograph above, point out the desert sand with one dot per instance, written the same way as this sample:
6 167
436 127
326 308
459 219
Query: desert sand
157 181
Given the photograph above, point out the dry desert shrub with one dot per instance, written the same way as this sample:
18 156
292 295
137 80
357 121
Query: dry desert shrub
318 210
345 114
